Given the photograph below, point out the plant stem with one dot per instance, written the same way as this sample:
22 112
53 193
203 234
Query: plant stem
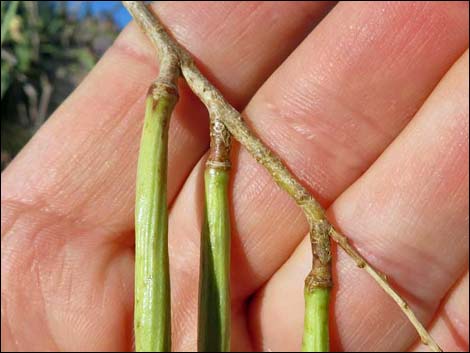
232 119
214 288
152 312
381 279
218 106
317 291
316 333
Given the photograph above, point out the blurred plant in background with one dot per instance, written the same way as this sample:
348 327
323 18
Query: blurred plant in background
47 47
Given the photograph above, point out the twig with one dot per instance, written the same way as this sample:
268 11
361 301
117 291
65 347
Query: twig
46 93
231 118
214 290
32 95
152 317
152 312
381 279
317 291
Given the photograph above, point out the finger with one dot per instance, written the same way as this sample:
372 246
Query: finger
408 215
450 327
328 118
82 162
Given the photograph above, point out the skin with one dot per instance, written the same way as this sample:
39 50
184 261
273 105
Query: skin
375 124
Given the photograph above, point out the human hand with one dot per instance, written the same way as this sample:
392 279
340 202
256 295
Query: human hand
363 82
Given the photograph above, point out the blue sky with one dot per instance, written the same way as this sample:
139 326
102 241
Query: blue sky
120 14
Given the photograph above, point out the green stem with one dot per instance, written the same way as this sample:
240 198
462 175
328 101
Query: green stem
316 336
152 312
317 290
214 293
214 282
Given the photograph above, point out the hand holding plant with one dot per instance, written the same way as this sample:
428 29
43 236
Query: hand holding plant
72 285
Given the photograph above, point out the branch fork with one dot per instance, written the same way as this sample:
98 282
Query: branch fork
226 121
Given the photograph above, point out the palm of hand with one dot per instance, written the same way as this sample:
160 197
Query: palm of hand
343 97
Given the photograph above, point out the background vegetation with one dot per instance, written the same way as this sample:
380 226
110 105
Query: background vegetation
47 47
